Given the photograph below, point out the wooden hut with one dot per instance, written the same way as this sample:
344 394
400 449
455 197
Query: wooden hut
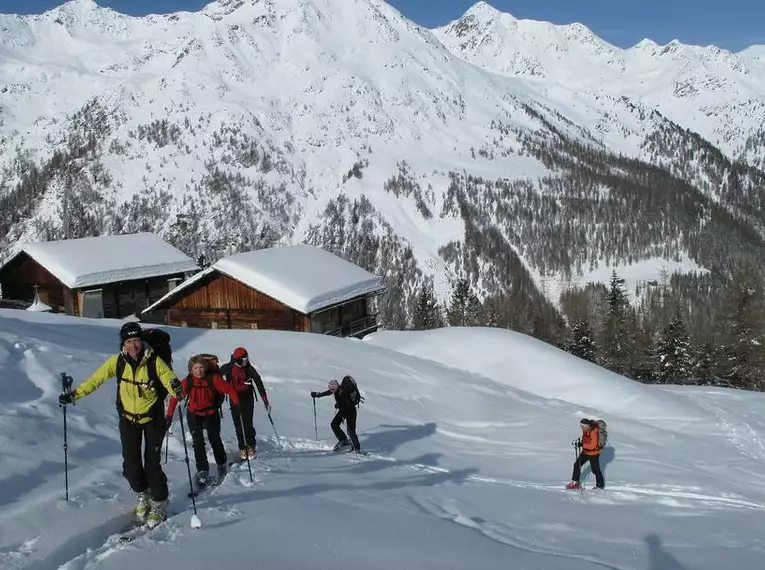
107 276
291 288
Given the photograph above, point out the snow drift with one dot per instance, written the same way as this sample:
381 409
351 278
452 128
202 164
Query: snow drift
469 435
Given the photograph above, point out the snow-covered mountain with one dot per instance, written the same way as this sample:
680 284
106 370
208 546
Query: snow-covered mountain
469 433
252 122
716 93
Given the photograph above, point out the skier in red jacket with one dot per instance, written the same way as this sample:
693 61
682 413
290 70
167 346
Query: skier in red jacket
242 376
205 388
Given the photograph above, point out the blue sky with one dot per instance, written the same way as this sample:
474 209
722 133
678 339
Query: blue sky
733 24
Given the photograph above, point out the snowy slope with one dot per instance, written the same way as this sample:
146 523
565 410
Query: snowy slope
286 96
469 432
716 93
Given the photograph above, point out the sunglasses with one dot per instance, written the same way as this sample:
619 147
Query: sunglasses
241 361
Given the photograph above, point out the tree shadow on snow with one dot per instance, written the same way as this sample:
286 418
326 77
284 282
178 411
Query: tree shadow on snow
660 559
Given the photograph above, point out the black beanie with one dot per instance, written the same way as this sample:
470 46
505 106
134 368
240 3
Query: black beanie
130 330
586 422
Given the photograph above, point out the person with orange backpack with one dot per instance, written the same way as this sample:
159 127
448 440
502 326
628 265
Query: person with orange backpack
206 390
594 436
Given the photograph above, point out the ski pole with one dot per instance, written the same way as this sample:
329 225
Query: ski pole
577 452
246 451
195 522
167 443
315 425
66 384
270 419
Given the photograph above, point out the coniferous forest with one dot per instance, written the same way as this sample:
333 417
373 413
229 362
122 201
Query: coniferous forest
593 208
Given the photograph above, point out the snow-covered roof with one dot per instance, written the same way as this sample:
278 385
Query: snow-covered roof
39 306
303 277
92 261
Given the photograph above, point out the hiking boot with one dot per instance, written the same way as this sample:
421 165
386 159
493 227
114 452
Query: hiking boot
141 509
251 453
340 444
203 478
157 514
574 485
243 454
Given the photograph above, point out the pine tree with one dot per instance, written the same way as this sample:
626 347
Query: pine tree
492 318
617 349
474 312
673 353
703 369
202 261
743 329
427 313
457 312
582 342
465 309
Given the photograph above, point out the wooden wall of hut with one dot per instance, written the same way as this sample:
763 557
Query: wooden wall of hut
221 302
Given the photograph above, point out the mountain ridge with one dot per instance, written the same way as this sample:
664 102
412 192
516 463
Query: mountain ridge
248 124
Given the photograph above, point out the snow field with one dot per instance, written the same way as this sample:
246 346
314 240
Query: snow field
469 435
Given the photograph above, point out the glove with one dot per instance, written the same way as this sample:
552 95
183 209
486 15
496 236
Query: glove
177 387
268 406
314 394
66 398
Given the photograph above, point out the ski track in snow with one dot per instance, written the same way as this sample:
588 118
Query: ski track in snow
740 434
503 534
89 549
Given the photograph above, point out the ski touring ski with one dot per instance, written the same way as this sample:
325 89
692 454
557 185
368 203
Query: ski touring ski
137 529
216 482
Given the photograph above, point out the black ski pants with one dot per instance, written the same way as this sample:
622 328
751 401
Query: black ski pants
349 415
197 426
243 416
594 465
146 474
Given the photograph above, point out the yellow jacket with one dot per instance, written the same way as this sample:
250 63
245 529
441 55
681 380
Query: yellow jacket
137 400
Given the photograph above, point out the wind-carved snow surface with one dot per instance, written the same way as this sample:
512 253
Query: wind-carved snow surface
469 435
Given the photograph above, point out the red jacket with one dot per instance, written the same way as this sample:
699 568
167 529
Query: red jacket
201 396
244 379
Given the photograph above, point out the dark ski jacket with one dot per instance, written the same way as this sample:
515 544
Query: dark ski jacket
243 378
342 400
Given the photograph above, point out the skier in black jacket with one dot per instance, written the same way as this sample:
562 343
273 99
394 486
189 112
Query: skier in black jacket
242 376
346 410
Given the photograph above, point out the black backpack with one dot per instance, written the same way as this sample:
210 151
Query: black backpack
349 386
159 341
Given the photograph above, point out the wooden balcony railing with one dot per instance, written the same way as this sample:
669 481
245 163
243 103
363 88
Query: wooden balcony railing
356 327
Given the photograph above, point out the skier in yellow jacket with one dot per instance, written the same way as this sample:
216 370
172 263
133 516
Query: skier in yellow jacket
140 402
